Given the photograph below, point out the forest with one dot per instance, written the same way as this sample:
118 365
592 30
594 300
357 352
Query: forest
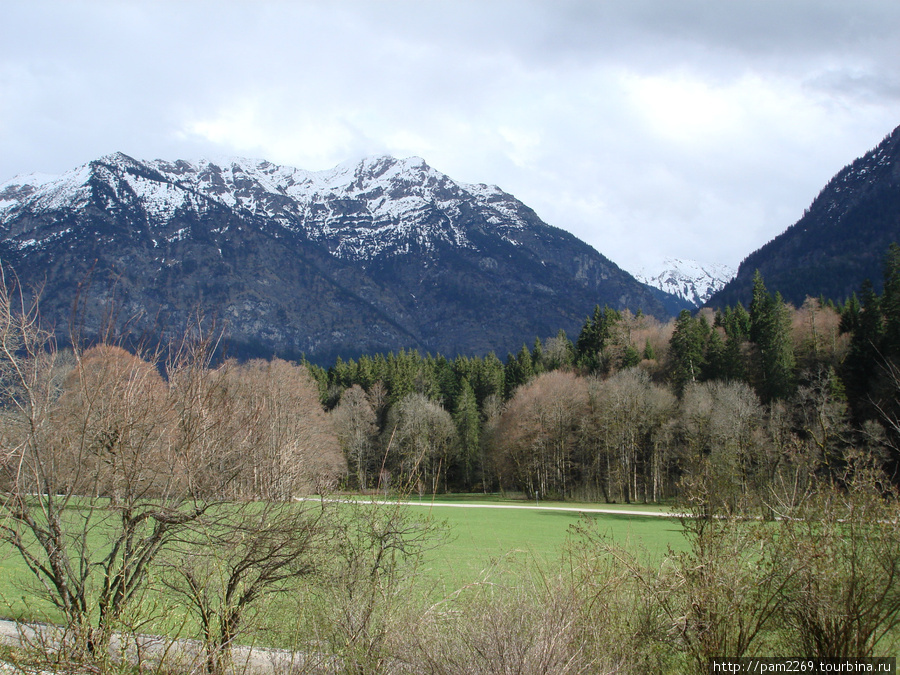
633 407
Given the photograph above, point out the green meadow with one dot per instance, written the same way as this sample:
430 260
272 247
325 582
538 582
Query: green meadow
483 531
483 534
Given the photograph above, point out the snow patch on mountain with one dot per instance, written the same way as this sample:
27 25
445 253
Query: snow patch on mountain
44 191
692 281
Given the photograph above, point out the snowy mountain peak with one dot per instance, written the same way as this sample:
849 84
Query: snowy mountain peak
690 280
369 256
359 210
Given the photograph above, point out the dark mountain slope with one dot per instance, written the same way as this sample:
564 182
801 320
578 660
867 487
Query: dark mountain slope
840 240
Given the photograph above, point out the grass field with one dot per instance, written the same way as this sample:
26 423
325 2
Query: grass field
481 530
485 529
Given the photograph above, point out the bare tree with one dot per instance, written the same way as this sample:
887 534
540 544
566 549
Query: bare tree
628 414
721 426
537 434
355 424
94 482
282 442
227 563
106 465
423 436
366 596
843 538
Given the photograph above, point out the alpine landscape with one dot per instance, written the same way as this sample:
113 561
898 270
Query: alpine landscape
403 338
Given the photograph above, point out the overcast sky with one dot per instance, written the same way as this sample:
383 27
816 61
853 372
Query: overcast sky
649 128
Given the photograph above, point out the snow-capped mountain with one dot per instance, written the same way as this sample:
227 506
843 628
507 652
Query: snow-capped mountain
692 281
378 206
368 256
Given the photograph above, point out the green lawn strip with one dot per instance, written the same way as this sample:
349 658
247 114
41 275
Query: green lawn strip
17 598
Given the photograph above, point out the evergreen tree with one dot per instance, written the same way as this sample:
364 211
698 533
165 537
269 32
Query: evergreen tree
402 370
890 303
537 357
631 358
729 359
687 350
365 372
468 430
594 336
519 370
760 309
770 331
736 322
864 320
489 378
443 384
716 358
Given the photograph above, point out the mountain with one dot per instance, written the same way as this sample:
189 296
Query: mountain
366 257
839 242
692 281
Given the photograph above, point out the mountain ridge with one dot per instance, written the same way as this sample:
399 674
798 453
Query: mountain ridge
369 256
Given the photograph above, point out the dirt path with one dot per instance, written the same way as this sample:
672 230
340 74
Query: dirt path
532 507
183 654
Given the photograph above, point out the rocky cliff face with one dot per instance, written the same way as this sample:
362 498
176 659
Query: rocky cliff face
379 255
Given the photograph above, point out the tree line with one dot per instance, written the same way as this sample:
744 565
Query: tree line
633 406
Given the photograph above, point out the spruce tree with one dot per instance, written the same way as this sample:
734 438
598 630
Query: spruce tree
593 337
519 370
687 350
468 427
890 303
631 358
770 331
537 357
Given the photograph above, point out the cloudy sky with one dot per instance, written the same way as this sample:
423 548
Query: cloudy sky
649 128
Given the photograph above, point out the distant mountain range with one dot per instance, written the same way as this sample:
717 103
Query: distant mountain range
692 281
371 256
840 241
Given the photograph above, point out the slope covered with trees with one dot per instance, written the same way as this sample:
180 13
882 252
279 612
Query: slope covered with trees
838 242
